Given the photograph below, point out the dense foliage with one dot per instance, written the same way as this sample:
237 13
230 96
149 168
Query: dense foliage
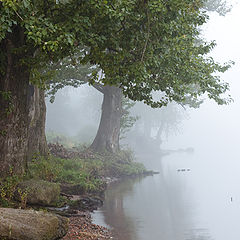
87 172
154 47
141 46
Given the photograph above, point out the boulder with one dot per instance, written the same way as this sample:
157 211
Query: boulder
39 192
86 203
77 189
19 224
73 189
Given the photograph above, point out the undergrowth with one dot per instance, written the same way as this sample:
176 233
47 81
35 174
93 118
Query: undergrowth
87 173
8 186
121 164
75 171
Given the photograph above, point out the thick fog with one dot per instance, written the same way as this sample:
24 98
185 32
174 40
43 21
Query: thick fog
213 126
214 133
201 203
75 113
209 127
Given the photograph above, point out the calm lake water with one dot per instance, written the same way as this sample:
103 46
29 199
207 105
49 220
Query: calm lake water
202 203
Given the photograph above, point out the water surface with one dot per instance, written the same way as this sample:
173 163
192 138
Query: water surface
200 203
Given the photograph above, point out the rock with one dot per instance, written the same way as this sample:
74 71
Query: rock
31 225
39 192
77 189
86 203
73 189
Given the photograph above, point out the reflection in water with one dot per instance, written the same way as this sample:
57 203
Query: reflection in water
198 234
151 208
114 212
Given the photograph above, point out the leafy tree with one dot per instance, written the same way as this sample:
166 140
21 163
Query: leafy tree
70 72
33 33
156 50
219 6
141 46
164 54
154 126
127 119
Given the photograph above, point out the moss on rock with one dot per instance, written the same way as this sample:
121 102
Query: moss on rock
39 192
31 225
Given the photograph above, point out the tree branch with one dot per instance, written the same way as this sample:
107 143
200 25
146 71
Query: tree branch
148 36
99 87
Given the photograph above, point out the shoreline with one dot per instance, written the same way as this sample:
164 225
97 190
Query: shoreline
80 185
81 224
82 227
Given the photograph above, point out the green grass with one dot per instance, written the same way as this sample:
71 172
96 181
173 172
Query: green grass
74 171
85 172
8 187
121 164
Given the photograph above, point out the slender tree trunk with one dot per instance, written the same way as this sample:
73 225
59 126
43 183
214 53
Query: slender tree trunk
13 108
159 135
37 143
107 138
147 129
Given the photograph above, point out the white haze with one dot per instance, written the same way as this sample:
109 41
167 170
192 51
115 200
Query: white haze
214 126
212 130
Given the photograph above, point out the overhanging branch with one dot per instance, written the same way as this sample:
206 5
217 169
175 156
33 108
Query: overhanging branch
99 87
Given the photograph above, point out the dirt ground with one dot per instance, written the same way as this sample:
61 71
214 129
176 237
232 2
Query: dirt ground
81 227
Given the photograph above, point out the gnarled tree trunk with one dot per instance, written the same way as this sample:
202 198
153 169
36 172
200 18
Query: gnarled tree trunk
107 138
37 143
13 107
22 107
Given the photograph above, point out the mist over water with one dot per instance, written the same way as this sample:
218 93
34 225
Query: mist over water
204 202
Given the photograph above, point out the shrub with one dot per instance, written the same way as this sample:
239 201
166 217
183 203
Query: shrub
7 188
83 172
44 168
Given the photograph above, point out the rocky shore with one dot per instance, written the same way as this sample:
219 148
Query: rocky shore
81 227
43 221
80 220
55 198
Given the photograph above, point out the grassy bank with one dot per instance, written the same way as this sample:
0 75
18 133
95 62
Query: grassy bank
89 173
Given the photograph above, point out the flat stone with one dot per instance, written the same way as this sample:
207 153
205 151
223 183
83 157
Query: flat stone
31 225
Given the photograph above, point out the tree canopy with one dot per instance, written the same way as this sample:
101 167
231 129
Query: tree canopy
141 46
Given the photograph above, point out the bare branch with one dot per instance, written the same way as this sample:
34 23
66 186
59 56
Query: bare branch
99 87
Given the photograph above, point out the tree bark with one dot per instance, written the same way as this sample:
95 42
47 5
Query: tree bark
13 107
37 143
22 107
107 138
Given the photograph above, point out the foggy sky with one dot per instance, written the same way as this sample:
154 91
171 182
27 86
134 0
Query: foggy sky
214 126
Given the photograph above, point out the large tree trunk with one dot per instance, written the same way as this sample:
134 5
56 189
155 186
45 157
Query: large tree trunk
22 108
107 138
13 107
37 143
